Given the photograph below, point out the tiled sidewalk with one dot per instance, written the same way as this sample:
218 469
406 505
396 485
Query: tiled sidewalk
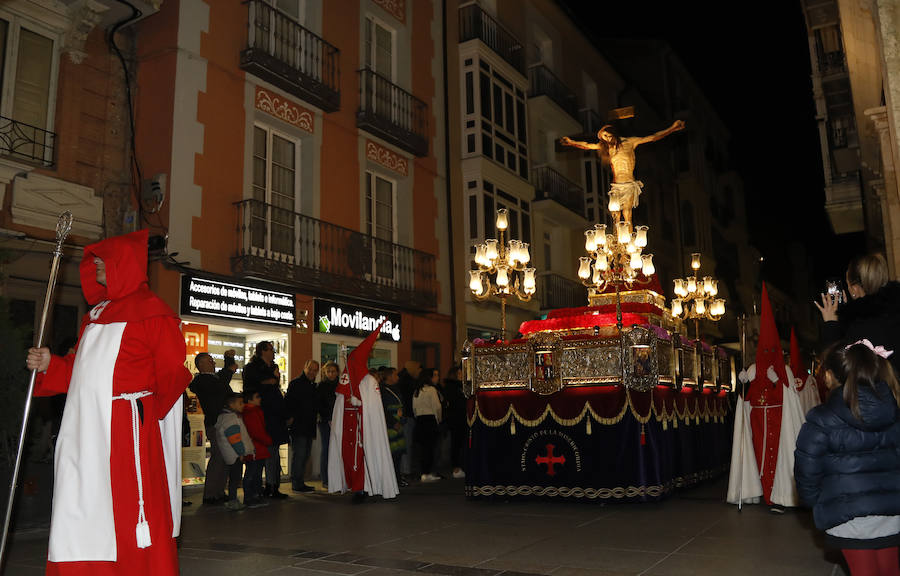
433 529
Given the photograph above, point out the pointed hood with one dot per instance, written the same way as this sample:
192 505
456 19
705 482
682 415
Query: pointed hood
798 366
768 349
358 364
125 258
126 292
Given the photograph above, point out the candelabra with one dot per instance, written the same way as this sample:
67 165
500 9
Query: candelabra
615 260
699 292
508 264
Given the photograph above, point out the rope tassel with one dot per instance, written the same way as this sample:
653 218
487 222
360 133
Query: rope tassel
643 436
142 529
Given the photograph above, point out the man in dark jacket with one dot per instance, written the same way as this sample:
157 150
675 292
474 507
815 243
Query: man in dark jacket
325 397
407 387
261 375
455 416
301 407
211 391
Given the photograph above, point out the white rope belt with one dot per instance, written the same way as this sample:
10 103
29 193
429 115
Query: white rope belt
142 530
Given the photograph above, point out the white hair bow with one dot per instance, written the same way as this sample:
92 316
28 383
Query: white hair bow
878 350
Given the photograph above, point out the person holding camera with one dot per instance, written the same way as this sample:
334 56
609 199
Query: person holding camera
872 310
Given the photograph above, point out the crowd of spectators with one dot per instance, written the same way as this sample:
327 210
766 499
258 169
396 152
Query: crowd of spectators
425 418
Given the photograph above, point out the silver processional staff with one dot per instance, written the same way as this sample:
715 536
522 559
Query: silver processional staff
63 226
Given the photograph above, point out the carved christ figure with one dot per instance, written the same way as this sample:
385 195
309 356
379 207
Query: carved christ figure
624 191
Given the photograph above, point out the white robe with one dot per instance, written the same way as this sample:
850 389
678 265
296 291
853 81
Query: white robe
743 479
82 454
784 488
380 477
809 396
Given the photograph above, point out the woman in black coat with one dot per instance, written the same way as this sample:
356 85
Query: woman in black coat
872 310
847 462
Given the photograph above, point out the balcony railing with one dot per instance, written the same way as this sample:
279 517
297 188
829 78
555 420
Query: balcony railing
832 63
476 23
559 292
843 134
551 185
281 51
392 113
25 142
543 82
324 258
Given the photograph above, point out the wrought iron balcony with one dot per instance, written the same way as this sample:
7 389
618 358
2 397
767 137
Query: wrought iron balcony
832 63
324 258
551 185
390 112
281 51
25 142
543 82
476 23
843 134
557 291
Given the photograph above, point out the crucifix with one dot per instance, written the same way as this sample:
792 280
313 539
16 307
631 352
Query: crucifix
624 191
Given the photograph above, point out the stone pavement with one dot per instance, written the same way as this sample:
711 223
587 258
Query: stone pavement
432 529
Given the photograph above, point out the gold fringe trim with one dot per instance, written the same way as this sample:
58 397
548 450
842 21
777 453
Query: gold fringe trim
702 408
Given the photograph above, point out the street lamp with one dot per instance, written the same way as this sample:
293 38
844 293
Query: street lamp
508 264
615 259
695 297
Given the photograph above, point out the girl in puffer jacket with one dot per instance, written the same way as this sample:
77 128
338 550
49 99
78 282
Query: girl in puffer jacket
847 462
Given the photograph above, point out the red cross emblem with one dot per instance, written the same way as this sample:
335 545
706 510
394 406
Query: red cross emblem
550 460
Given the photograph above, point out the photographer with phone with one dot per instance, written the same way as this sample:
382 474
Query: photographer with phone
872 310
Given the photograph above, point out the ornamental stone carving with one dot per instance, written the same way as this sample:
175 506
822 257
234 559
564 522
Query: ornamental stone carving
283 109
387 158
396 8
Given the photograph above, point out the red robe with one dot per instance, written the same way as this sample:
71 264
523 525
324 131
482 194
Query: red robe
150 358
352 449
765 420
766 397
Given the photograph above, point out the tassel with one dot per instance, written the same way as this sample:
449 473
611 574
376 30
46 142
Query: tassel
675 422
470 438
142 533
512 426
697 420
643 436
665 425
588 425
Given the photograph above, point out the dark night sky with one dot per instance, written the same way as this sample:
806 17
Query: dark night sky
752 62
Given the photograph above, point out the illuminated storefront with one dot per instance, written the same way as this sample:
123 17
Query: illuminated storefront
219 316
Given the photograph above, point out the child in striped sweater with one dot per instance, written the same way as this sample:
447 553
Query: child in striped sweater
235 445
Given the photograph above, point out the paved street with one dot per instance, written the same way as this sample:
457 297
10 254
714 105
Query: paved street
433 529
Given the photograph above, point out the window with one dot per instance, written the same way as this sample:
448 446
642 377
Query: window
380 223
27 82
293 8
496 110
380 48
275 171
482 214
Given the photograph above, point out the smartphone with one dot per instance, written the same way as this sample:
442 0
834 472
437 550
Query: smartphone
834 289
